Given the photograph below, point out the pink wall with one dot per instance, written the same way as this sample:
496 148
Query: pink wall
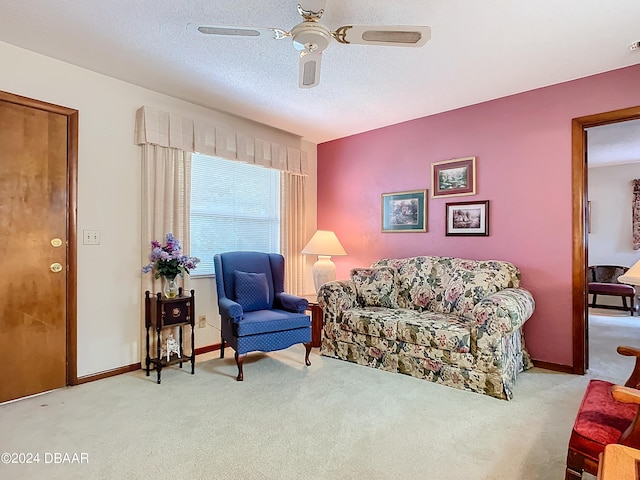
523 149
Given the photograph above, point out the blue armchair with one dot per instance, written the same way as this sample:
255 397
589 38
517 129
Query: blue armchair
256 314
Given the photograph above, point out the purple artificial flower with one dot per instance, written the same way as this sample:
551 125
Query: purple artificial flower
168 261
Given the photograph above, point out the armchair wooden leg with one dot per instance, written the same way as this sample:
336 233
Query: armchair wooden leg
571 475
222 348
307 346
239 360
575 466
593 301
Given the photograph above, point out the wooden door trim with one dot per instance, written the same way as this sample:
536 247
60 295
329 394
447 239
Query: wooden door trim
72 213
579 197
72 248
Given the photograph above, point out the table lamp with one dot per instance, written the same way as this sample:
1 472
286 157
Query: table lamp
324 243
631 276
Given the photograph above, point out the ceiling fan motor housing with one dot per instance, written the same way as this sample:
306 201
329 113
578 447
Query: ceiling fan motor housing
311 37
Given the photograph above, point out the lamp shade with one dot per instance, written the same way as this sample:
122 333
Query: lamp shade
632 276
324 242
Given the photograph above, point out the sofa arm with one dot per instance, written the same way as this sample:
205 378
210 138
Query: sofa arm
503 312
290 302
336 297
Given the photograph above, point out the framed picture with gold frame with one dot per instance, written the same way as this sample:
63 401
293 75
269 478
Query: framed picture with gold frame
453 178
404 211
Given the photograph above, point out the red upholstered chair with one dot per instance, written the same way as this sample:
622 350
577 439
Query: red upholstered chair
608 414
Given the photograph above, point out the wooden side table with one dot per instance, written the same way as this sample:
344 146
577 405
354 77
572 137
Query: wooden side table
316 320
162 312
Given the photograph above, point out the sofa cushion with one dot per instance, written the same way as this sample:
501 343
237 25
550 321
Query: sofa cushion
376 321
375 287
420 280
473 280
252 291
448 284
442 331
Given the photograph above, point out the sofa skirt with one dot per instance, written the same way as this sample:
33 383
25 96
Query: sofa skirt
495 378
490 384
367 355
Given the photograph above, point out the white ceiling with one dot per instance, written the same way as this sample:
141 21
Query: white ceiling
613 144
479 50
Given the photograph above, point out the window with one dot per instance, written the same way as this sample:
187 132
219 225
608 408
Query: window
234 206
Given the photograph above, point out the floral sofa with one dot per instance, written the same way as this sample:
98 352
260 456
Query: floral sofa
447 320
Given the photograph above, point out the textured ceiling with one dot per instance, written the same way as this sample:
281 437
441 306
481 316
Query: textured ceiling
614 144
478 51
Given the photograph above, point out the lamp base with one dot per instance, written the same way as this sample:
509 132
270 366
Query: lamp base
324 270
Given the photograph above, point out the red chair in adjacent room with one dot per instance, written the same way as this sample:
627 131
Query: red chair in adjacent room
608 414
603 280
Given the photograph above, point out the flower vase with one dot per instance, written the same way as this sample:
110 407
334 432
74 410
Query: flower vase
170 287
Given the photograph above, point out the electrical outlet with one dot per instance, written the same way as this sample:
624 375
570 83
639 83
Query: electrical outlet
202 321
634 46
91 237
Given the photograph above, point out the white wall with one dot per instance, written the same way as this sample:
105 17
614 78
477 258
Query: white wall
611 194
109 200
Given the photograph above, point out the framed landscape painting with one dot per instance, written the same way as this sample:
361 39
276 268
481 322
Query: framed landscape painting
404 211
468 218
453 177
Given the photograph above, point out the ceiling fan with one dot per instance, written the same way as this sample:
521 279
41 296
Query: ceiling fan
311 37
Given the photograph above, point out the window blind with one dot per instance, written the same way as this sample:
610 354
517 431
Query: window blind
234 206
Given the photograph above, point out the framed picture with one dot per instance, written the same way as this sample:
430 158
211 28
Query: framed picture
468 218
453 177
404 211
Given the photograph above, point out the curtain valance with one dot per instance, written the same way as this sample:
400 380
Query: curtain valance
170 130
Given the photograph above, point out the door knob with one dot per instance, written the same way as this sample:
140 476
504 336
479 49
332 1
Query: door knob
56 267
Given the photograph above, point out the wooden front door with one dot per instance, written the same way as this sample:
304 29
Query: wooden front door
34 193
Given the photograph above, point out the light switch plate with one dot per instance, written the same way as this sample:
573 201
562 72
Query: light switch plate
91 237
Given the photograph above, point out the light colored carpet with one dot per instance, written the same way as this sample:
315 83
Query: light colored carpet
333 420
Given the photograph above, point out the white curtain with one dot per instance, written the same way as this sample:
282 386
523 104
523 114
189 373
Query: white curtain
167 142
166 192
635 225
293 230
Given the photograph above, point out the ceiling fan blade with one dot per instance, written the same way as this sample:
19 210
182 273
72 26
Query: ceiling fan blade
228 30
309 69
393 35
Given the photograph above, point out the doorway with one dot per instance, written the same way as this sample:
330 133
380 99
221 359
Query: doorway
38 178
579 220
